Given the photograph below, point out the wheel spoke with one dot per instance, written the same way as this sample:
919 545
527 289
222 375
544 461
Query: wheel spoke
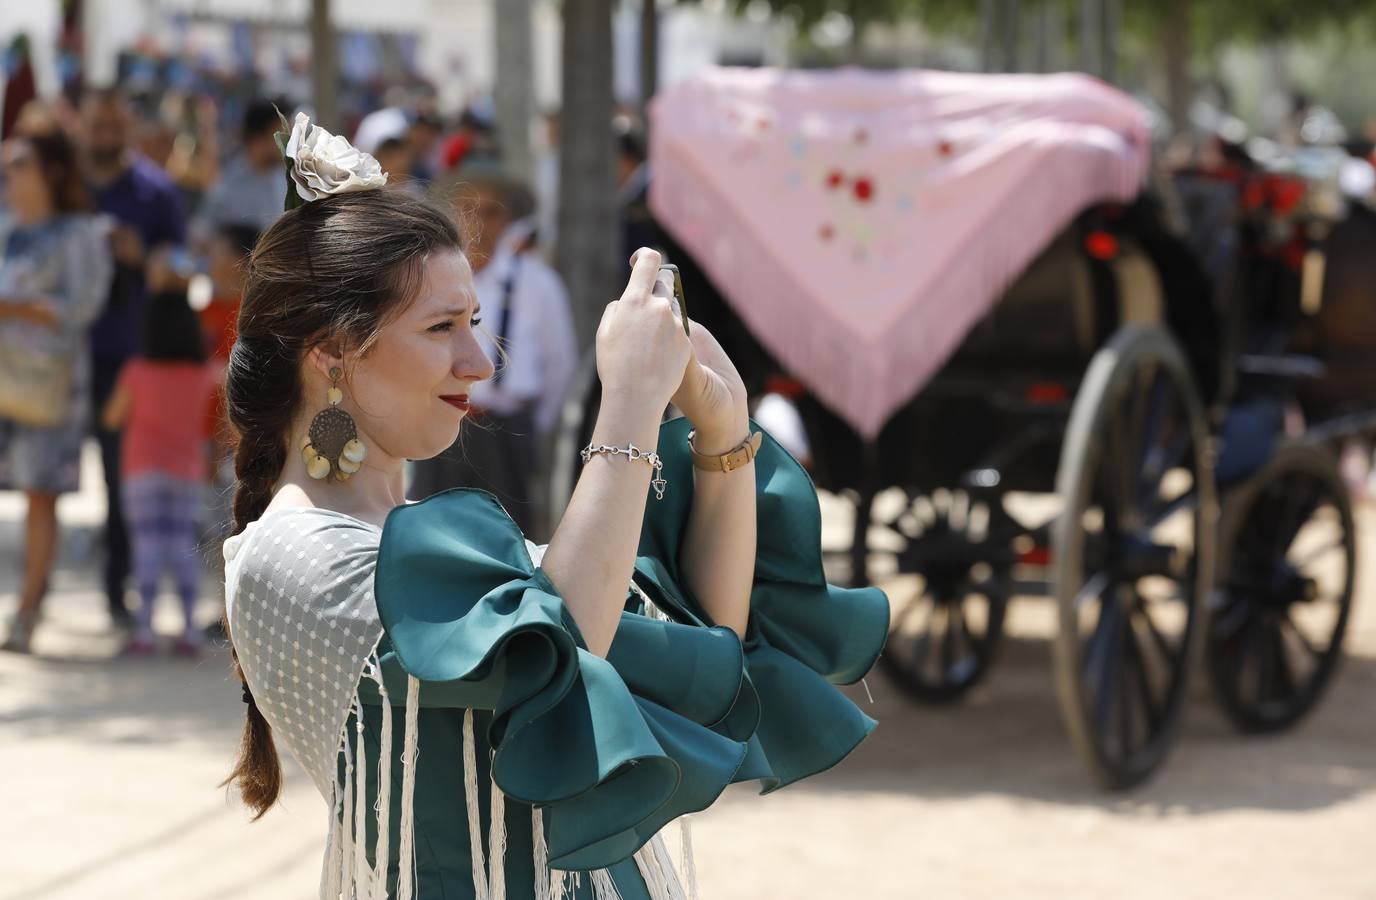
1147 410
1169 445
1235 652
1258 646
1120 463
1169 654
1138 665
968 658
1134 416
1109 669
1092 657
975 643
1288 624
949 650
1282 676
1156 513
1092 589
1125 705
1299 503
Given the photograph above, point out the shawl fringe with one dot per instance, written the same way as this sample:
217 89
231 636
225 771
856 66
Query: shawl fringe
346 875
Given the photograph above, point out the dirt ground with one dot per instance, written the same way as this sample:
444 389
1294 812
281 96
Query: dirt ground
109 769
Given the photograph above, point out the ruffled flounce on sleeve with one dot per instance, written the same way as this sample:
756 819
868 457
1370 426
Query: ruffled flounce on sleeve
614 749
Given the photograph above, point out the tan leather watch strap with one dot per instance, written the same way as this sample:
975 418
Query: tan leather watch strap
731 460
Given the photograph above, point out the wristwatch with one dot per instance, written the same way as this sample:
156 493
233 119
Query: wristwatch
731 460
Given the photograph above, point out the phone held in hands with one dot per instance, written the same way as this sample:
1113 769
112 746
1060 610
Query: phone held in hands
668 283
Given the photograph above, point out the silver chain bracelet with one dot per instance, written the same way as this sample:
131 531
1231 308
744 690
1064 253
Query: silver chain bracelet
632 452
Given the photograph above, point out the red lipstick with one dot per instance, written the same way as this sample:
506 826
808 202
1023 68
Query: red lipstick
458 401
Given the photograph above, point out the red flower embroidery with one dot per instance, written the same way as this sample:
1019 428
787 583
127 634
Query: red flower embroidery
834 179
945 148
864 190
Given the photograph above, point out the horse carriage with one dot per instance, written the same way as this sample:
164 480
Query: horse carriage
1004 345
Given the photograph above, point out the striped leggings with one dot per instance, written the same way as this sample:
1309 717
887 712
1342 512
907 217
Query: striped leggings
163 513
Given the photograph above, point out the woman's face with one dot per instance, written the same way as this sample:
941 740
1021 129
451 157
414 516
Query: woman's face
26 192
409 391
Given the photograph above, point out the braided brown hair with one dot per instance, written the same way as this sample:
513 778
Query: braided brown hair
336 269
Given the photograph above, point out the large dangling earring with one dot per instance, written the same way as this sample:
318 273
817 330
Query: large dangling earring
332 443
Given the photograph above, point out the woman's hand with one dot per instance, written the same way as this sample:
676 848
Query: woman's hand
642 351
712 396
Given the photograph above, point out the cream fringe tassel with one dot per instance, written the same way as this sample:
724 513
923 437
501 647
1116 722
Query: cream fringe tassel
345 874
470 794
496 845
346 836
363 875
690 866
544 878
406 849
603 888
330 865
383 808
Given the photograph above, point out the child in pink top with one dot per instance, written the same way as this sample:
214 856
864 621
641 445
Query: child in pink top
162 402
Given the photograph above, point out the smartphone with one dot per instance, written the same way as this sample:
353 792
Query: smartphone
669 283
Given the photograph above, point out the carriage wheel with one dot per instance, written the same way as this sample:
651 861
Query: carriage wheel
1132 554
1287 564
947 572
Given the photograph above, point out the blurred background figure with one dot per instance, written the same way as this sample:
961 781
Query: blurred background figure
638 228
424 137
146 209
390 134
227 265
252 184
194 159
165 460
37 117
528 332
54 276
397 160
388 123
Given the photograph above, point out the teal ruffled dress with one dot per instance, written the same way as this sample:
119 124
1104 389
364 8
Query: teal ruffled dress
609 750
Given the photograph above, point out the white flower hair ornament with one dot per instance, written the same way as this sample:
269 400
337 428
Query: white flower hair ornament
320 164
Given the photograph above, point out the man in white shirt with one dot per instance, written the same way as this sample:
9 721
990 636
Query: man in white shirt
527 331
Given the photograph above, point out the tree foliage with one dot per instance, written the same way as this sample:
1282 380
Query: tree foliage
865 12
1216 22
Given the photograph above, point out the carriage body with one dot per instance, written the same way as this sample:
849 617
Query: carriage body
1118 370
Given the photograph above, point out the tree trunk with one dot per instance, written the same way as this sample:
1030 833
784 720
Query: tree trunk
855 47
1175 55
988 29
1108 35
649 54
1277 96
588 226
1091 36
1050 36
1011 14
324 67
515 90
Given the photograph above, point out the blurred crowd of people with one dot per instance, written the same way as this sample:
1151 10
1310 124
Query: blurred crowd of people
124 249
